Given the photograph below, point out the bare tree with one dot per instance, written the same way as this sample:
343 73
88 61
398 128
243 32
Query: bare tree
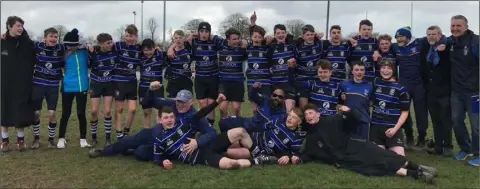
152 27
294 27
238 22
31 34
169 35
62 30
120 32
192 25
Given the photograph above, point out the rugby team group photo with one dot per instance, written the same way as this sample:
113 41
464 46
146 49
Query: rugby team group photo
360 103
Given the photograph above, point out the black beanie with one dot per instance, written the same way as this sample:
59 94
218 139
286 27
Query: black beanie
205 26
71 38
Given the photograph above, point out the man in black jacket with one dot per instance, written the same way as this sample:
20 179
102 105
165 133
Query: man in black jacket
435 72
465 89
330 141
16 82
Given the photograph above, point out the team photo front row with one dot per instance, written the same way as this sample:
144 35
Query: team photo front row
343 102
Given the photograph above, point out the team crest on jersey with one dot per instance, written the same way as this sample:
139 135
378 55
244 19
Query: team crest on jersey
382 104
285 141
100 64
365 92
169 142
314 51
209 48
342 53
260 54
363 59
228 59
465 50
154 59
276 131
185 66
320 90
179 131
271 144
333 92
326 105
281 61
370 47
451 48
276 51
335 65
205 58
48 65
303 54
256 66
188 57
136 55
199 48
55 53
112 61
413 50
379 89
130 66
105 74
43 53
125 53
5 52
117 93
310 64
330 54
392 91
285 49
250 55
358 48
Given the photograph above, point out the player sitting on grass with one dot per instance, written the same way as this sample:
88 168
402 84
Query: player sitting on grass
276 138
169 131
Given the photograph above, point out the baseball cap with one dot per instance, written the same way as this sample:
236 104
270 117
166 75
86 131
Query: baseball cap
184 96
205 26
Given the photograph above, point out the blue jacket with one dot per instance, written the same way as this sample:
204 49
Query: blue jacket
76 72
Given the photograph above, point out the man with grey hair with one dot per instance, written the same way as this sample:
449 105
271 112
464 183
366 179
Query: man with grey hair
435 72
465 89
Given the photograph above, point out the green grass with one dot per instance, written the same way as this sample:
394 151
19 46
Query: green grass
72 168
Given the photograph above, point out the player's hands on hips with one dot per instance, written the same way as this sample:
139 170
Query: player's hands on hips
390 132
256 85
344 108
155 85
167 164
190 147
283 160
295 160
221 97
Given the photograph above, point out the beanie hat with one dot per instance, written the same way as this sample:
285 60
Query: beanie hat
71 38
405 31
204 26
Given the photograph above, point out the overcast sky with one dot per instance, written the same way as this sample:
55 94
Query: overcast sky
94 17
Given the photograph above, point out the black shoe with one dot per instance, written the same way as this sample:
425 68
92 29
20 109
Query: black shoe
447 152
420 146
107 142
94 142
35 144
433 151
408 145
264 159
427 177
51 144
431 170
93 153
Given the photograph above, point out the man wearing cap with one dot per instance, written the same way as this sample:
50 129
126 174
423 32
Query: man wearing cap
407 52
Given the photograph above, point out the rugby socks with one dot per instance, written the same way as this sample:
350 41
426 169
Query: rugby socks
253 161
108 127
20 135
411 166
413 174
4 136
36 130
126 131
51 131
119 135
211 121
93 129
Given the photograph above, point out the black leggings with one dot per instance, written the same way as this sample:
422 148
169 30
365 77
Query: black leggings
67 101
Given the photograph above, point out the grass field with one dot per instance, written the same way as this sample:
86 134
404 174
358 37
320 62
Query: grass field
72 168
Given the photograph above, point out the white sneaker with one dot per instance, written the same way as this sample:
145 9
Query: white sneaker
61 143
84 143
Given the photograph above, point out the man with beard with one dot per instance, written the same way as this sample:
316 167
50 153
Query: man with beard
329 140
356 94
268 108
464 72
435 67
18 58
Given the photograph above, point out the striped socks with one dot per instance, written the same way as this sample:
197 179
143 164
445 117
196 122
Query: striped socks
93 129
51 131
36 130
108 127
